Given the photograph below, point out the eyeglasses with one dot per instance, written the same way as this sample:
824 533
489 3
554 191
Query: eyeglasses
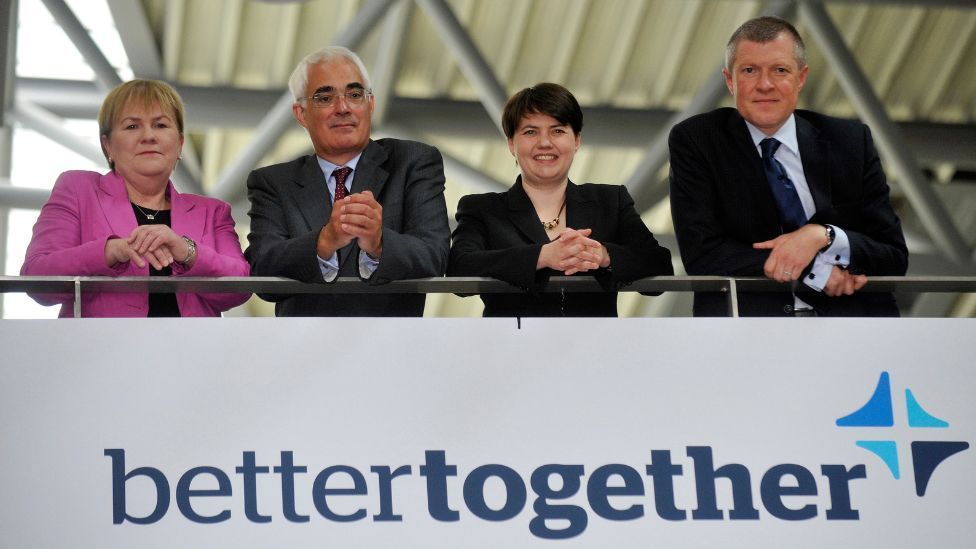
328 100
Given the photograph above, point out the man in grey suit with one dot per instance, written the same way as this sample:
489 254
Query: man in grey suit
357 207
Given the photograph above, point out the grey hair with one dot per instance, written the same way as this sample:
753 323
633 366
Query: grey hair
299 77
763 30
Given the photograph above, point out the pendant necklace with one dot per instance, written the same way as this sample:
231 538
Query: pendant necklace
550 225
152 216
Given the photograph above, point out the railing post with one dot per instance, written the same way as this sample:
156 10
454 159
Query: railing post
733 297
77 297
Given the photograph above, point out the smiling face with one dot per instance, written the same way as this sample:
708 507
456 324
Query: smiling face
144 142
340 131
544 149
766 81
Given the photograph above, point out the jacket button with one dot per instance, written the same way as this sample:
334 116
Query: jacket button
788 309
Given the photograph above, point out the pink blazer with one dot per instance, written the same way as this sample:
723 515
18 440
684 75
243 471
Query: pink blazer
86 209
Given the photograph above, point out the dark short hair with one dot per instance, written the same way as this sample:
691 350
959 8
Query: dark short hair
765 29
545 98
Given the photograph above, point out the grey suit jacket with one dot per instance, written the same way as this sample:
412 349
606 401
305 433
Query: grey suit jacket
290 204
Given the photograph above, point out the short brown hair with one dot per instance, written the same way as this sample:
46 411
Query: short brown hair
143 93
765 29
545 98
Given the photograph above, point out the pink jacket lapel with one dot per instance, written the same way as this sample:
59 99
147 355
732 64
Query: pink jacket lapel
115 204
186 218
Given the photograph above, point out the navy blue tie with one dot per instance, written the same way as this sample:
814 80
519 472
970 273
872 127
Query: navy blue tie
791 214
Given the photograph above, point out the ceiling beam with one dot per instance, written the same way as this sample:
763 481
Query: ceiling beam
897 154
644 184
923 3
8 57
479 74
222 107
8 71
137 38
52 127
27 198
385 69
105 74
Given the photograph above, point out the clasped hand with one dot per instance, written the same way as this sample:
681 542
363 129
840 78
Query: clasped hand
356 216
573 252
156 244
792 252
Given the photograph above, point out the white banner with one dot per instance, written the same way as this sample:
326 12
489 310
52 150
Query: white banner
475 433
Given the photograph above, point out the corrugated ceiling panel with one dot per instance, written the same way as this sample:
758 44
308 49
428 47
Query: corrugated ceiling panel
704 51
262 55
923 82
198 49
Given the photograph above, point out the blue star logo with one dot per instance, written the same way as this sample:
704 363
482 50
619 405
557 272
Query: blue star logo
926 454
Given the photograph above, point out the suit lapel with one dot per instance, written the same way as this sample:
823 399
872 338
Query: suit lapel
114 201
765 212
311 194
186 217
370 174
815 156
580 212
523 216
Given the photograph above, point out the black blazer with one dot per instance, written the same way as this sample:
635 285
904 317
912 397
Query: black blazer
721 204
290 203
500 235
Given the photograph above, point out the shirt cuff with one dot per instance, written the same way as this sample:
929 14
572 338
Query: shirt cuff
367 265
839 254
329 267
819 273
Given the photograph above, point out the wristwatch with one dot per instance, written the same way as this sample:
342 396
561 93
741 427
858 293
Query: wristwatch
830 237
191 251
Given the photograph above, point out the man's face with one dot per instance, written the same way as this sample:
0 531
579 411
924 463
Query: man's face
341 130
766 82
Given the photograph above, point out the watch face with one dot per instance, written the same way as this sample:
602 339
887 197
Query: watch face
830 237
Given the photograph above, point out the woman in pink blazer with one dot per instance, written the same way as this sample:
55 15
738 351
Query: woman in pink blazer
131 221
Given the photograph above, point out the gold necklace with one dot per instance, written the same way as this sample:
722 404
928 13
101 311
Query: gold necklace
150 217
550 225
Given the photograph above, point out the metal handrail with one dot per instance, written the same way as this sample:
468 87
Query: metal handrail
731 286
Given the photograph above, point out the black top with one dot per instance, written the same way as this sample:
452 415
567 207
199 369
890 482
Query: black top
160 305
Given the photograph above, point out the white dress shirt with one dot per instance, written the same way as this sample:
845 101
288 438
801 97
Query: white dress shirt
788 154
330 266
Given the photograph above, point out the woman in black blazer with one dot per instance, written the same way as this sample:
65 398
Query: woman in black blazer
547 225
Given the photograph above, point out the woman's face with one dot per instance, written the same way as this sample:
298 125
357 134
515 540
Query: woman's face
544 149
144 142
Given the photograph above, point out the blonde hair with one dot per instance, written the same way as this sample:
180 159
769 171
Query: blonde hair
140 92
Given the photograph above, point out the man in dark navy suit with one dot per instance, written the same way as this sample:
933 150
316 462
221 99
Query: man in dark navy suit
767 190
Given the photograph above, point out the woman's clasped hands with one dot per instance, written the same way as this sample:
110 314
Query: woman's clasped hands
574 252
156 244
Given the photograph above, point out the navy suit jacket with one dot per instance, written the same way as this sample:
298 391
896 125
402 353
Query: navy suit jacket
499 235
721 204
290 203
